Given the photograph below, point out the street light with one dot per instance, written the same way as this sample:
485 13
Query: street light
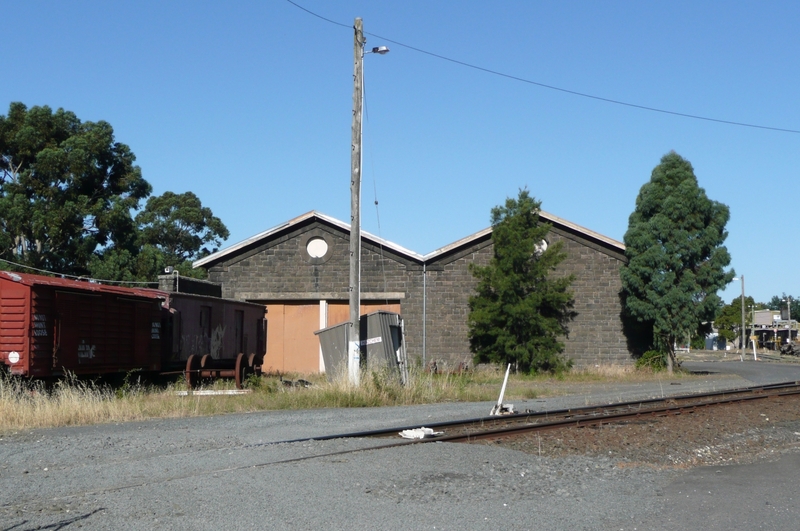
354 346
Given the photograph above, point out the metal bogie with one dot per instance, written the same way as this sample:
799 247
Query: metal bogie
192 372
204 367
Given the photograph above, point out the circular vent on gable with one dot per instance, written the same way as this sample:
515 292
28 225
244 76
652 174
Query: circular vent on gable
316 247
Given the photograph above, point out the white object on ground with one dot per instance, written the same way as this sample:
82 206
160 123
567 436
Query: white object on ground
419 433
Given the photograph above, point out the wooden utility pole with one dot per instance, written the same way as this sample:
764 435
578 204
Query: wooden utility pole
354 336
743 343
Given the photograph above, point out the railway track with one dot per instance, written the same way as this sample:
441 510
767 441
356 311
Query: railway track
527 422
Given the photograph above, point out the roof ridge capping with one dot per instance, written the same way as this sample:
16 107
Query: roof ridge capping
550 218
296 221
583 230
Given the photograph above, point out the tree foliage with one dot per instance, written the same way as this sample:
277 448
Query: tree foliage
676 257
520 310
68 197
778 302
179 226
67 189
729 318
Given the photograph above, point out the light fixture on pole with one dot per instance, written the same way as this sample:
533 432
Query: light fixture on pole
353 340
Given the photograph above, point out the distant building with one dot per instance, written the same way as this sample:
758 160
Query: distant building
300 271
773 327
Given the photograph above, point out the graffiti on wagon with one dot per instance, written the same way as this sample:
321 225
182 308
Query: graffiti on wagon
85 351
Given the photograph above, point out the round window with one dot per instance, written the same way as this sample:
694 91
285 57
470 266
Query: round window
316 247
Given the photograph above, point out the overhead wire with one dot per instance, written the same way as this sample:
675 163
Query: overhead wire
76 277
553 87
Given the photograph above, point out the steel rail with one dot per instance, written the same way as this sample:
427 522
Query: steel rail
599 411
613 417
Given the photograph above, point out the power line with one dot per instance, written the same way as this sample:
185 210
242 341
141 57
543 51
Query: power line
552 87
319 16
75 277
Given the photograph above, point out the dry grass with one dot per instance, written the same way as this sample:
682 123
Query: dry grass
27 405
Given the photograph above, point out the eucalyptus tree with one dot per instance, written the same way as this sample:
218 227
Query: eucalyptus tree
67 189
69 194
676 257
181 229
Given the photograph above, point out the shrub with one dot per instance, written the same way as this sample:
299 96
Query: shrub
653 360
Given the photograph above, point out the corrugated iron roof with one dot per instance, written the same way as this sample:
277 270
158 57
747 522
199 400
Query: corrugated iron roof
28 279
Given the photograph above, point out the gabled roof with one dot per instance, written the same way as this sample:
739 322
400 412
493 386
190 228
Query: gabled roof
589 234
261 236
345 227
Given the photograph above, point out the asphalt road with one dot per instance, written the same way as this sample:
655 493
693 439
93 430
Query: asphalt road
224 473
756 372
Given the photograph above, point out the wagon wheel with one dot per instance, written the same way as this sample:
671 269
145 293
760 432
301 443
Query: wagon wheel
206 361
254 363
241 371
192 373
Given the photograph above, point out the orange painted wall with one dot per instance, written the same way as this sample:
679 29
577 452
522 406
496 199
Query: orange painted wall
292 345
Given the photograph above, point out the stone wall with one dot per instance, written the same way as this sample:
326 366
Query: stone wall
596 333
449 287
280 269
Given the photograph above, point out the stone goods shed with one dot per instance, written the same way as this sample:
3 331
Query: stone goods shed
300 271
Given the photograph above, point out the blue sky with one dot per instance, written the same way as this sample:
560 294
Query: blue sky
249 105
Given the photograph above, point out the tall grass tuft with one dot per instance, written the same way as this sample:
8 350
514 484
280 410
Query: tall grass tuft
26 404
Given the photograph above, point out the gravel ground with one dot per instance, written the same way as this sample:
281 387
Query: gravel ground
739 433
222 473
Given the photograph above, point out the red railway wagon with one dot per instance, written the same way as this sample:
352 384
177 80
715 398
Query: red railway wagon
51 325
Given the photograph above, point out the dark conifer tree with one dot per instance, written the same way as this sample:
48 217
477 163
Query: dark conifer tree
521 310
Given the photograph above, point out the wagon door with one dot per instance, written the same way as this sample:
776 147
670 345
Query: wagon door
95 333
66 324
